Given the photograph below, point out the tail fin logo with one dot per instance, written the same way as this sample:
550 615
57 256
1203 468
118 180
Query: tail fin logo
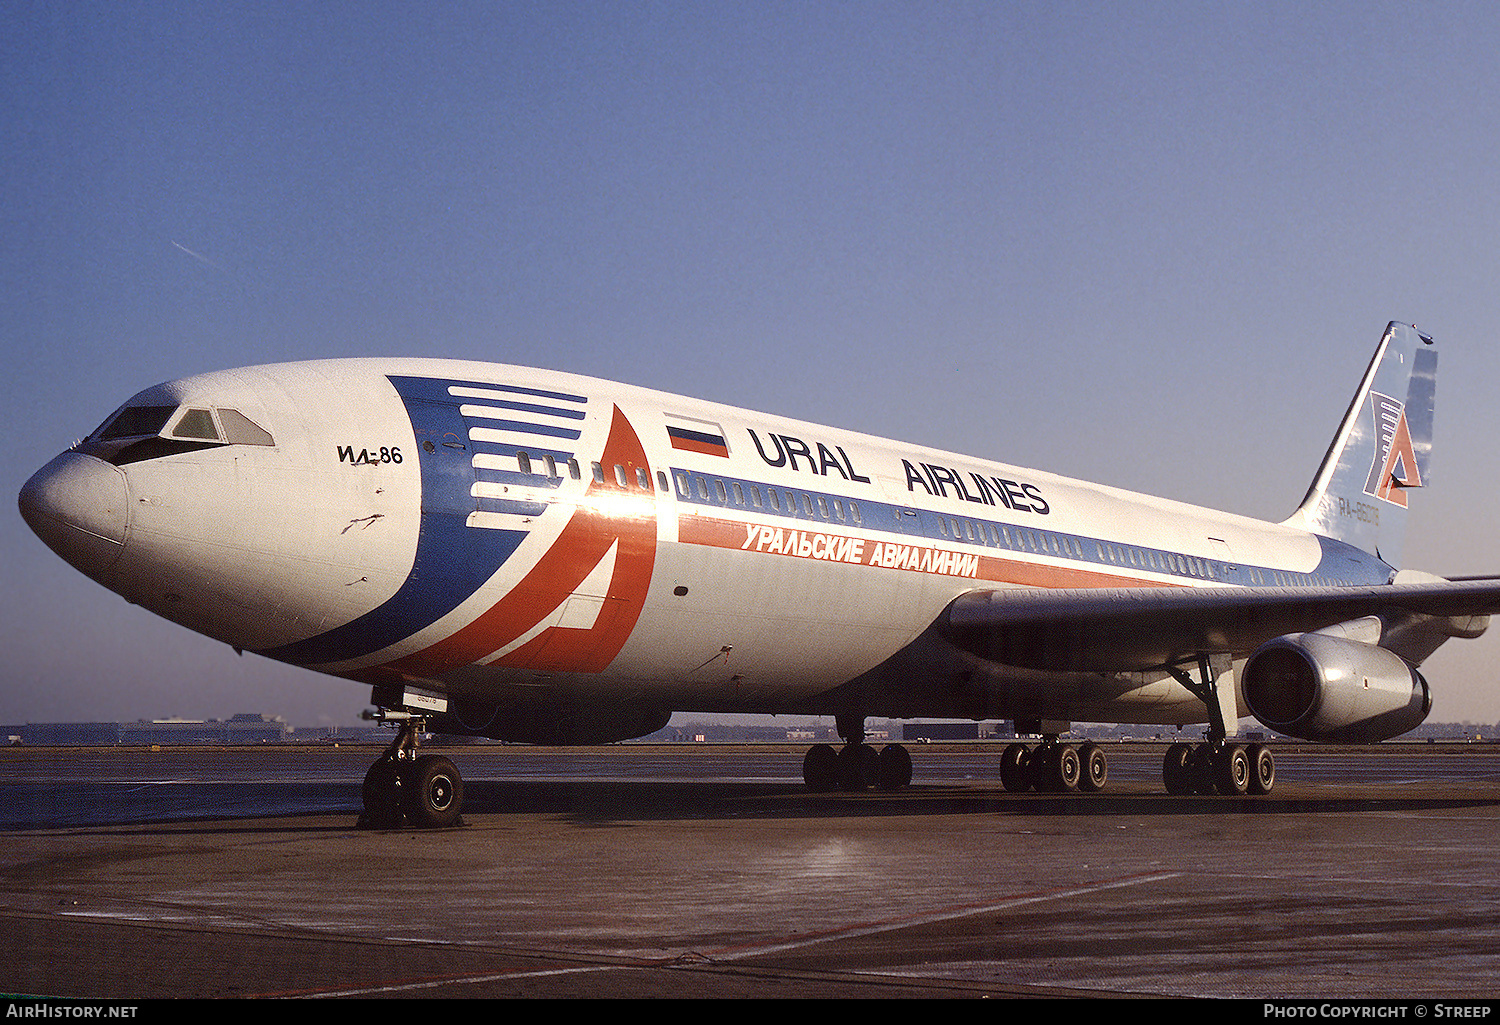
1394 468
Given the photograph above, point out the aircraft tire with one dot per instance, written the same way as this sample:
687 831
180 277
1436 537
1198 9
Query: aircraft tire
1262 769
1094 768
859 767
1201 763
381 793
435 796
894 768
820 768
1176 771
1039 767
1069 768
1055 768
1015 775
1232 771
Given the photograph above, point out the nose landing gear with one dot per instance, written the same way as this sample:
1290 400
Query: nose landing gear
404 788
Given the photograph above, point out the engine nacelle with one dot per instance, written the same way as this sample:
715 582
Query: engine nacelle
1318 686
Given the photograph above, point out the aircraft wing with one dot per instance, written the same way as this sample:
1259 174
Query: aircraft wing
1125 629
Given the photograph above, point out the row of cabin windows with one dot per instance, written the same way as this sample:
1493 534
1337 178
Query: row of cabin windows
1162 562
1003 536
1269 578
836 509
549 469
751 497
549 466
1044 543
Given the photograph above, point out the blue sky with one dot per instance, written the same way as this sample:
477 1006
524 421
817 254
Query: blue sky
1149 244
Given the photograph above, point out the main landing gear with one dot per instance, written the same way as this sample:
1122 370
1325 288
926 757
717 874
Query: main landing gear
1054 768
1218 765
404 788
1219 768
857 765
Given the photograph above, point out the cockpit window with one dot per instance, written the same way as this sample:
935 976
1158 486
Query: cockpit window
239 429
138 433
135 421
197 425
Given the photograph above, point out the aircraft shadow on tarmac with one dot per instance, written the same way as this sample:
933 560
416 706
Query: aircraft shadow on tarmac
335 806
604 802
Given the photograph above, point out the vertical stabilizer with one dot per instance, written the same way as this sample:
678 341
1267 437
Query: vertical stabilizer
1382 452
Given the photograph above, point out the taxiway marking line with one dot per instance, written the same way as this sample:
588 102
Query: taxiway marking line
943 915
753 949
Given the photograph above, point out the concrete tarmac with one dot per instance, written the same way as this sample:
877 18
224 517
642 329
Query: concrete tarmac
636 871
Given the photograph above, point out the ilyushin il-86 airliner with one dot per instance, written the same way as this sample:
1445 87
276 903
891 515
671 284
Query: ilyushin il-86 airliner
546 558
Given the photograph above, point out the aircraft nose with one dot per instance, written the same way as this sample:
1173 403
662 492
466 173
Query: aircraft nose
78 506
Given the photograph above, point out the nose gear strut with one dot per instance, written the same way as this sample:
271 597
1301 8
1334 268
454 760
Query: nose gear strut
406 788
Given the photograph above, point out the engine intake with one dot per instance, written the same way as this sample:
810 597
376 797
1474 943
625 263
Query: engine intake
1328 688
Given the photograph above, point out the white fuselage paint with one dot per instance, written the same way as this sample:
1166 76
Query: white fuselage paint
742 606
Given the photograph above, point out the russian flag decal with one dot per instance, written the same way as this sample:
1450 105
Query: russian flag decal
704 441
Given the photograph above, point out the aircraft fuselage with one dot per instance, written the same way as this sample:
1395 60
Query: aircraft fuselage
525 541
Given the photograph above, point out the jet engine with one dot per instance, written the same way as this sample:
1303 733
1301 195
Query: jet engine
1319 686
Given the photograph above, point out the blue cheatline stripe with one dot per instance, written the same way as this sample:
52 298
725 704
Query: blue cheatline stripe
452 560
485 475
497 448
1339 563
521 407
511 506
515 389
546 430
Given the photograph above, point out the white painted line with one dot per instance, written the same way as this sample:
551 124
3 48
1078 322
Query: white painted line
751 950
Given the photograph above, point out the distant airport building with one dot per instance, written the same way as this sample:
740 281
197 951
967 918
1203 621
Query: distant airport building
66 734
244 728
944 730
